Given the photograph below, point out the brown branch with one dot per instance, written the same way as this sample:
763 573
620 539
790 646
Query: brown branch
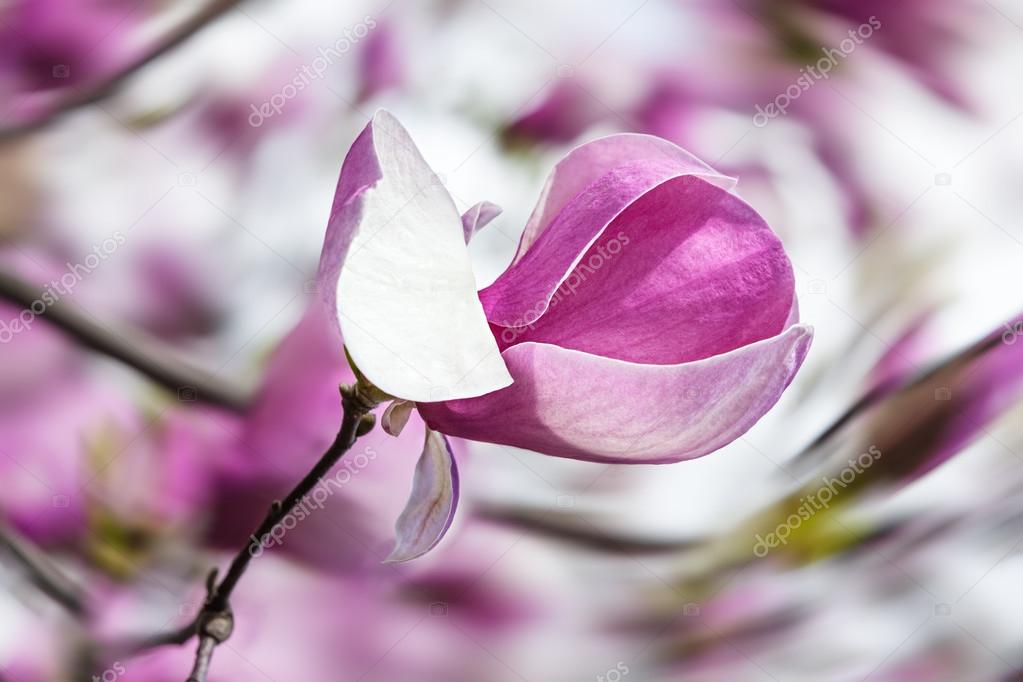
109 85
52 582
216 621
203 658
130 647
43 573
152 359
894 387
576 530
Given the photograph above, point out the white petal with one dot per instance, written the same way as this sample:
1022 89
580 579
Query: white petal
396 269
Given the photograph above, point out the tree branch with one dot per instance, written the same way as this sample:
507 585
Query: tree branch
131 647
42 572
895 386
109 85
145 355
216 621
576 530
203 658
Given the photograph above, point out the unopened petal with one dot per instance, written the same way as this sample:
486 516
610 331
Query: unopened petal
687 271
590 161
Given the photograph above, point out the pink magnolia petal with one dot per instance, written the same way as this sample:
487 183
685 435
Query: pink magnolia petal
431 507
523 292
688 271
381 60
477 217
567 403
588 162
396 272
563 113
396 416
296 410
793 312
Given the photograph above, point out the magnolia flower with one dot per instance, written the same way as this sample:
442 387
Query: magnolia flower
924 37
49 44
648 316
172 296
562 114
381 61
920 422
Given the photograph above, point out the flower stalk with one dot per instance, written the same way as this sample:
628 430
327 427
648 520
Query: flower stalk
216 621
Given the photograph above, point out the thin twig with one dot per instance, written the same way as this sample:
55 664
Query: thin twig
895 386
130 647
109 85
577 531
43 573
145 355
203 658
216 621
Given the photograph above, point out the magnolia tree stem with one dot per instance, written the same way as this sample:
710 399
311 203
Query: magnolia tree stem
42 572
109 85
154 360
216 621
131 647
203 658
